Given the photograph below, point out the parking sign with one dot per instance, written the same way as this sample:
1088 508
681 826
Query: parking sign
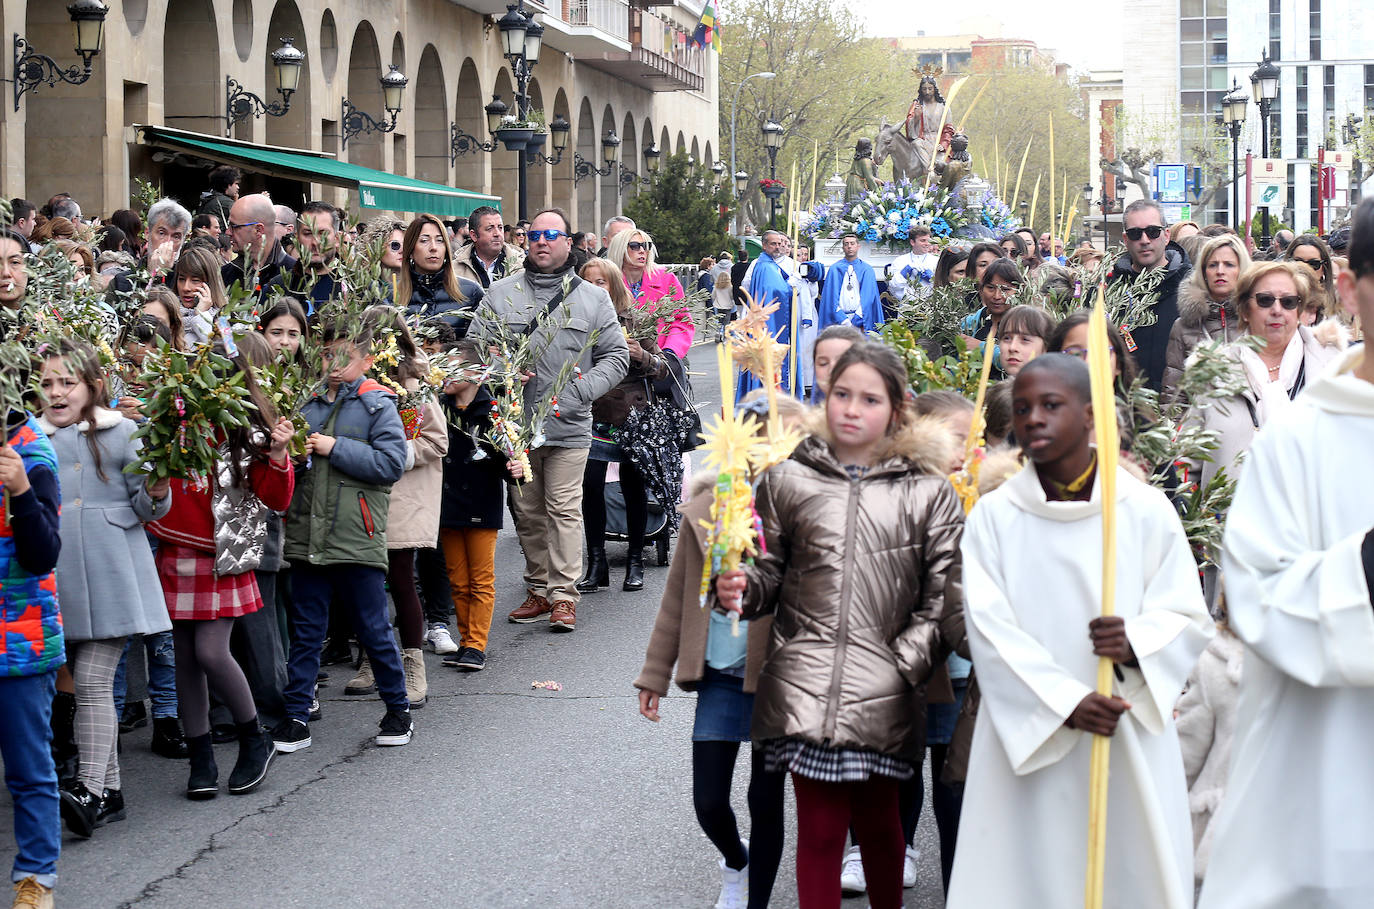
1171 183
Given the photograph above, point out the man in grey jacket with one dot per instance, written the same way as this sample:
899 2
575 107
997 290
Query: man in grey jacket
568 319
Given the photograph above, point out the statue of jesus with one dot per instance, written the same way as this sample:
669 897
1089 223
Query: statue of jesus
927 124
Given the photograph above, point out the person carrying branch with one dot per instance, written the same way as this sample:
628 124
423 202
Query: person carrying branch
1032 602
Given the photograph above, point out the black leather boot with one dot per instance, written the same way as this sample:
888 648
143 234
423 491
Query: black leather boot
255 754
168 741
634 569
203 783
598 576
65 755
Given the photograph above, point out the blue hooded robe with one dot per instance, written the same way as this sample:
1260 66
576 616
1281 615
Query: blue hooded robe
870 315
768 285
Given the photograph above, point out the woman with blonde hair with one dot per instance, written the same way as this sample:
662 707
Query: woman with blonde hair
633 252
1207 303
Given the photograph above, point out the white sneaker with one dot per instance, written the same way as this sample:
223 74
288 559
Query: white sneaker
913 855
440 640
852 880
734 888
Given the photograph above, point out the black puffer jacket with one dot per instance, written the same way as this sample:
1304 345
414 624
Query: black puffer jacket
1152 341
429 298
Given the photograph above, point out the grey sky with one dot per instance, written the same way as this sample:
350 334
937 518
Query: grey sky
1083 33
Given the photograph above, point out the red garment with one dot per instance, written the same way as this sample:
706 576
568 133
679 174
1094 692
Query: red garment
190 523
824 813
194 591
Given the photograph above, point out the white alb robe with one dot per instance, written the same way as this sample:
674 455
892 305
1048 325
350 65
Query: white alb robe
1296 827
1032 582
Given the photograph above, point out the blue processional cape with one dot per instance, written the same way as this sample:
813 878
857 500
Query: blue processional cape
870 315
767 286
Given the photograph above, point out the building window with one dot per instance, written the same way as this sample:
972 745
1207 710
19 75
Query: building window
1292 192
1329 107
1301 114
1314 29
1368 87
1274 28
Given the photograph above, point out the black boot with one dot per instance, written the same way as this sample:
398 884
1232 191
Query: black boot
634 569
168 741
203 783
79 809
111 807
255 754
65 755
598 576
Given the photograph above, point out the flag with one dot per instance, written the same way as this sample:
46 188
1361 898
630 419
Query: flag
707 32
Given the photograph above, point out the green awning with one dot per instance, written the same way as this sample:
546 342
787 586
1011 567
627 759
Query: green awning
376 189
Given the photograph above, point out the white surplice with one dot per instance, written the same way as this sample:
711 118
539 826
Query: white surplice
1296 827
1032 582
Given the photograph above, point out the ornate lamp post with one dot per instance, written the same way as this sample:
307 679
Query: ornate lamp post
1088 207
241 104
733 104
610 151
1233 109
32 69
357 122
772 141
1264 85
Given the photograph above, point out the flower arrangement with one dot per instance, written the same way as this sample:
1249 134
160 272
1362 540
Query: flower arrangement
997 216
772 183
887 214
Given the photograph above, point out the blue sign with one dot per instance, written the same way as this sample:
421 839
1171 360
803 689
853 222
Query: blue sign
1171 183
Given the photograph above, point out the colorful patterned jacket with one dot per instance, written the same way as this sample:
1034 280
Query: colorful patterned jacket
30 623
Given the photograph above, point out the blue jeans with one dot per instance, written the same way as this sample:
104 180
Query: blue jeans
26 745
361 590
162 674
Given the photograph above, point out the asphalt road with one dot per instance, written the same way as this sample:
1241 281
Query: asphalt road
507 796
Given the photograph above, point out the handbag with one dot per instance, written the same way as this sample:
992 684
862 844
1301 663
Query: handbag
675 390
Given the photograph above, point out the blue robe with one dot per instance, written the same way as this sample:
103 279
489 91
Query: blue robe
870 315
769 285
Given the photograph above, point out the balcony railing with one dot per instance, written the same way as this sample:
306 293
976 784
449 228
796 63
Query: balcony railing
667 46
610 16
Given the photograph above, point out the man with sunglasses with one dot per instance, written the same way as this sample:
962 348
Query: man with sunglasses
487 257
569 320
1147 250
252 227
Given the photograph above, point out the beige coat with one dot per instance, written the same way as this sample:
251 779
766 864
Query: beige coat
414 512
680 631
860 575
464 267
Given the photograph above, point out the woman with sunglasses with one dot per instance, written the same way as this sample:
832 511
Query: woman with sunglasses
1312 251
1206 303
1270 297
427 285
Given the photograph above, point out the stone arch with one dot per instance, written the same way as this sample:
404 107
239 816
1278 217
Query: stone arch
610 184
696 151
665 143
365 93
505 165
710 155
292 129
585 142
192 83
537 174
630 155
646 134
471 168
431 118
562 188
64 125
681 143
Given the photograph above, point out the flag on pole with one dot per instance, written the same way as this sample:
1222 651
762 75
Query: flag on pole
707 32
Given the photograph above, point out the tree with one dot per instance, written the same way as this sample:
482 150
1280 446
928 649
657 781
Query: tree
1204 141
684 210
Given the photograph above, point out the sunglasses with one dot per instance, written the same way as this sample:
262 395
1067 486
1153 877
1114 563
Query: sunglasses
1082 352
637 246
549 235
1289 302
394 245
1314 264
1153 232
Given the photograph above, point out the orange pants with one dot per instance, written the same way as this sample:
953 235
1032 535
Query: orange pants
470 554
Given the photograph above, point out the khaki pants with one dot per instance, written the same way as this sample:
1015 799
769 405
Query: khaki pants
548 520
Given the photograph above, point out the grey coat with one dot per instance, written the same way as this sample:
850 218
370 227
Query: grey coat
107 584
562 335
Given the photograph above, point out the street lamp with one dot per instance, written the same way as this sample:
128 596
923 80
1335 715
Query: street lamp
653 158
1088 207
1025 207
240 104
32 69
733 104
610 148
741 182
356 122
1233 110
1264 85
718 169
772 141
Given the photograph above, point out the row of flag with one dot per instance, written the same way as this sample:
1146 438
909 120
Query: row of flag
707 31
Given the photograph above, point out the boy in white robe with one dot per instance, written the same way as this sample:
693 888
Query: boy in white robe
1033 573
1296 827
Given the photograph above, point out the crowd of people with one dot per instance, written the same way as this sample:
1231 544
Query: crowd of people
348 510
336 524
879 620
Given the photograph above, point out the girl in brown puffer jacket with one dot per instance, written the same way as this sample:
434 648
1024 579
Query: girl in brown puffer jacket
860 572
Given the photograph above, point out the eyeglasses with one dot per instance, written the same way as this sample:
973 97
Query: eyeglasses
549 235
233 226
1135 233
394 245
1314 264
637 245
1082 352
1289 302
287 223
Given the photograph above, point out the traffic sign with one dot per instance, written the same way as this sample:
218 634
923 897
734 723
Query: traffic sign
1171 183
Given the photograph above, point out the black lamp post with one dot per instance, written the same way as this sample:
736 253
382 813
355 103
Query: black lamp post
240 104
610 151
1233 109
1350 133
1264 85
32 69
772 141
1025 207
1105 204
357 122
1088 207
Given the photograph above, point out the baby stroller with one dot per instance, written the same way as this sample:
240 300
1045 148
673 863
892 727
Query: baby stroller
655 525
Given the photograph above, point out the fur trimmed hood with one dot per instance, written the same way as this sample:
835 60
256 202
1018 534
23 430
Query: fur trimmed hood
1196 306
924 443
104 419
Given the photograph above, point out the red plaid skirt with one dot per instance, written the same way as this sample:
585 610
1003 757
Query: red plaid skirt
194 591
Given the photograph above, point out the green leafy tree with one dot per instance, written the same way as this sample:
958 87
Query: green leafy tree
685 210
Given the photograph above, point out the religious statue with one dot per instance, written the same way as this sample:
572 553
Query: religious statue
862 177
927 124
958 163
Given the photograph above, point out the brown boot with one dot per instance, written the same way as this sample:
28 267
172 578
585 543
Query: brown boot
534 608
564 616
